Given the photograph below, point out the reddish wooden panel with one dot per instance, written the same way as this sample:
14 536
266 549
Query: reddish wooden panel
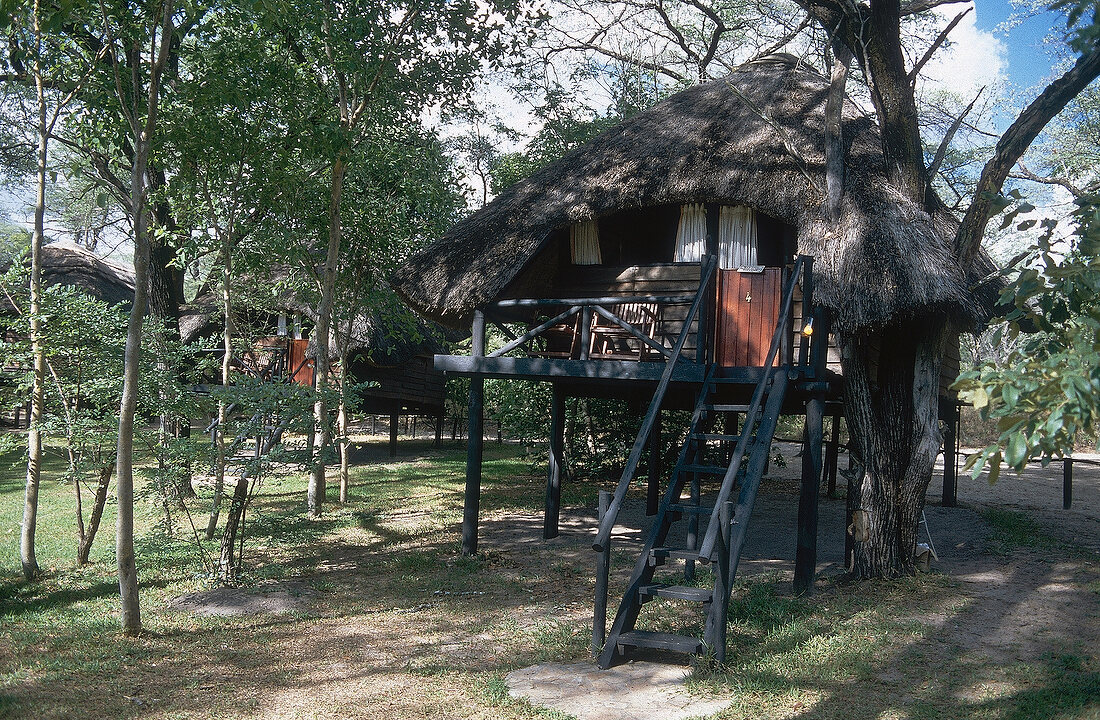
747 311
301 368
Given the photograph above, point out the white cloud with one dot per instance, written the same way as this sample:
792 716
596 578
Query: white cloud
975 58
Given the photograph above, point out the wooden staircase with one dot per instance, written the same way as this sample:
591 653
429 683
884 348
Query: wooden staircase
724 550
710 534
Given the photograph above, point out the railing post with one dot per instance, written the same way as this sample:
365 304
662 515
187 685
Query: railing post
715 632
1067 483
786 348
807 307
586 332
706 312
603 562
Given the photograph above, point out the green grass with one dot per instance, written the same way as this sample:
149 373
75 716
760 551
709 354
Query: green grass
1013 530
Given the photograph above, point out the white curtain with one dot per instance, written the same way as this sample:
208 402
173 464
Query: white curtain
691 235
736 238
584 243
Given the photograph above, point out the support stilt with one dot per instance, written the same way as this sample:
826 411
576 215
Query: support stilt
553 479
394 420
653 483
474 443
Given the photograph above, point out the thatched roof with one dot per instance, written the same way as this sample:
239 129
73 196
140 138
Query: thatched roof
384 339
66 263
753 138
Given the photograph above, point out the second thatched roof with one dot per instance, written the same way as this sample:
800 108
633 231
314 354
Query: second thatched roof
754 138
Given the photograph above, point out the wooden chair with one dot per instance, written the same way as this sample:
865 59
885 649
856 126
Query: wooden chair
612 342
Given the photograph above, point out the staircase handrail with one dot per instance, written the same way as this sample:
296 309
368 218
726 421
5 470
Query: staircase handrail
603 536
781 328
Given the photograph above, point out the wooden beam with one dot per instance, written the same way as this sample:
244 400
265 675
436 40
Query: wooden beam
394 420
543 368
553 476
1067 483
653 483
950 496
832 454
805 563
474 452
603 563
475 442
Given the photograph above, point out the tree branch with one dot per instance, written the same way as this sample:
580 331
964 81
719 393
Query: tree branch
1014 143
1022 173
941 151
940 39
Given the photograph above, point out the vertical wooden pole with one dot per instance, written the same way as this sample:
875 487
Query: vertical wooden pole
474 442
805 563
394 420
950 496
832 454
653 484
438 431
1067 483
585 332
715 632
692 539
553 475
603 563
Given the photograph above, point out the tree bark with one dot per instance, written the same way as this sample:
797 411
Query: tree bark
141 137
87 535
891 389
223 418
34 434
316 491
229 564
342 423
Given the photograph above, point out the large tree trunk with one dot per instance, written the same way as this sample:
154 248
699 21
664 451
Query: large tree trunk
316 491
34 437
891 389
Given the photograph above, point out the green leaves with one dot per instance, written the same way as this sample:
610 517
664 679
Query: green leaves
1044 392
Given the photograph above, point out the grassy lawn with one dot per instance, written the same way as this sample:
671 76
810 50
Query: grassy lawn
389 621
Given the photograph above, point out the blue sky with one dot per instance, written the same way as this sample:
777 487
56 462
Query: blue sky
1029 61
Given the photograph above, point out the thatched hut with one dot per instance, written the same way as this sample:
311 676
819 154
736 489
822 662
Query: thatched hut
396 356
622 236
68 264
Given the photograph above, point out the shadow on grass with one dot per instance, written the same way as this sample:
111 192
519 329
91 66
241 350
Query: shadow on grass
12 605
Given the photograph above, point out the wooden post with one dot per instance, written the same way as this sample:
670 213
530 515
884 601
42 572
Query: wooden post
474 442
1067 483
374 424
394 420
950 496
832 454
585 332
438 431
603 563
805 563
715 632
553 475
653 483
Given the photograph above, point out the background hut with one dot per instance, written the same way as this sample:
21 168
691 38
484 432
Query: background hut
392 350
67 264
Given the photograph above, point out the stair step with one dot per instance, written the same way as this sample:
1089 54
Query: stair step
658 554
716 437
660 641
676 592
704 469
690 509
725 407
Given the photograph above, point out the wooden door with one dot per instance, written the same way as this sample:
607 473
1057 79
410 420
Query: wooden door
300 368
747 311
